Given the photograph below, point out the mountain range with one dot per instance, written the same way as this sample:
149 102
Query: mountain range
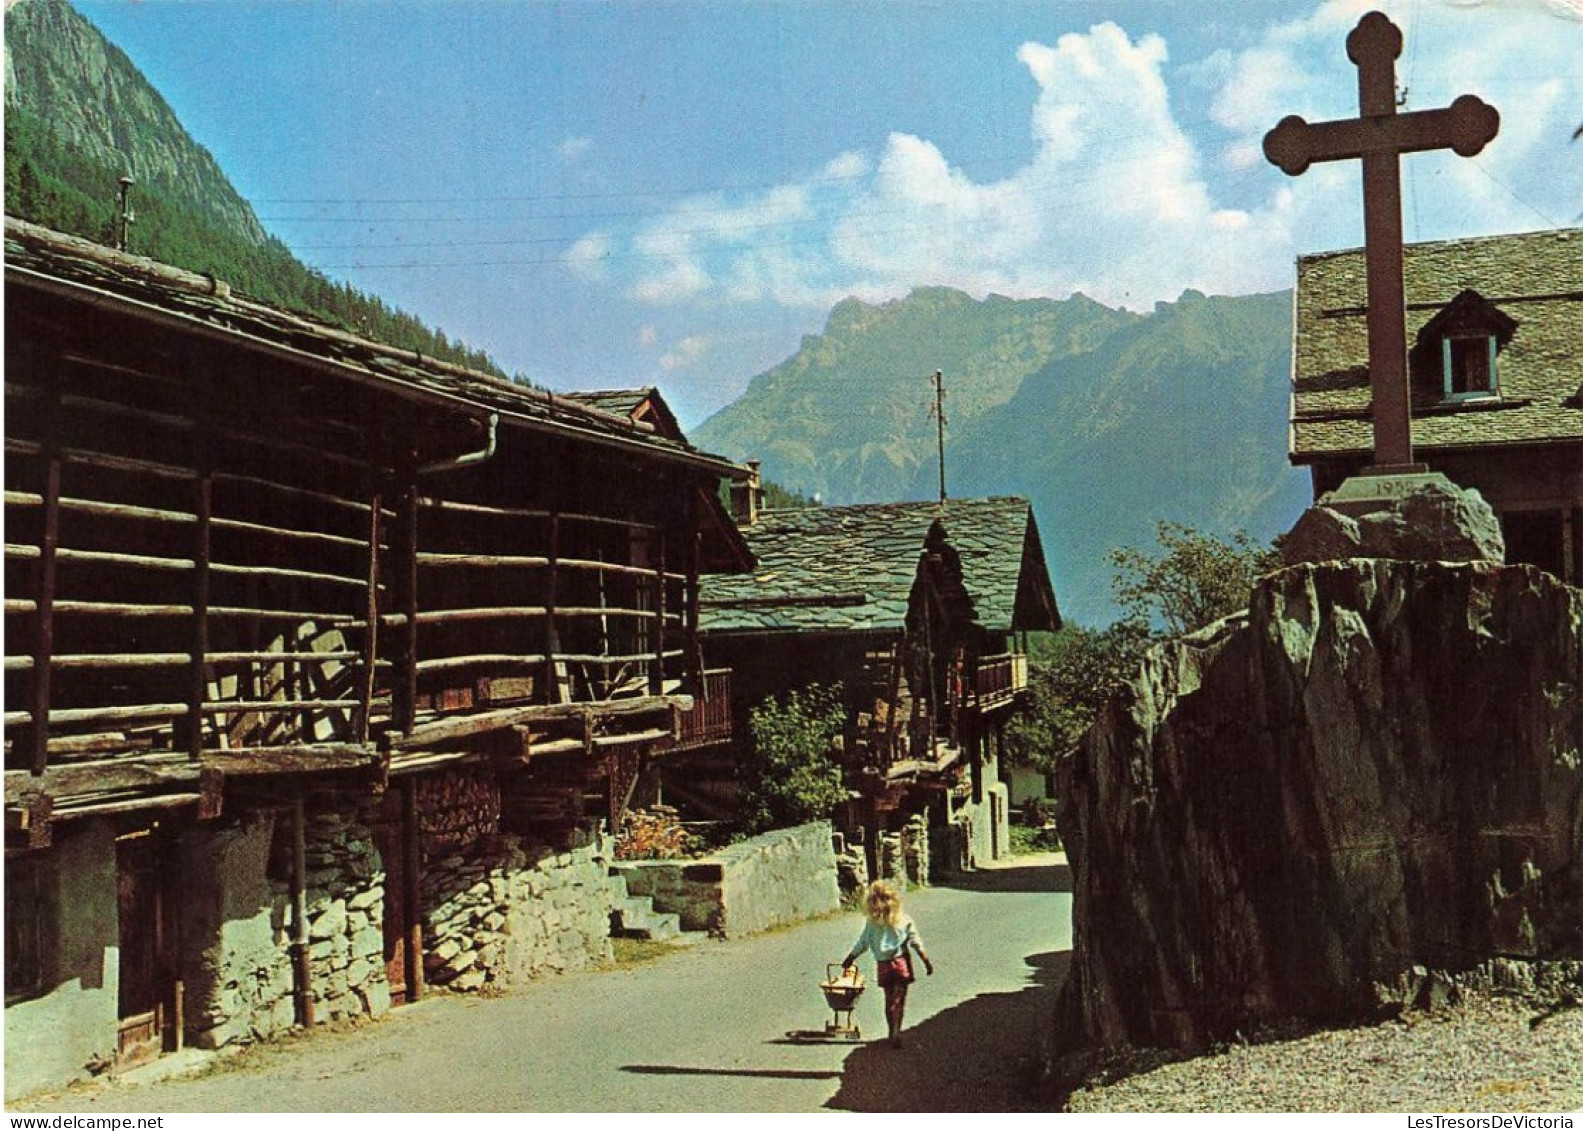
1108 420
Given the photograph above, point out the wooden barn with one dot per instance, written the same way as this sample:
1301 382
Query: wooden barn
327 665
920 613
1494 329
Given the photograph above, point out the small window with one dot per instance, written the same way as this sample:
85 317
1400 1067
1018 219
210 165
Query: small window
1469 365
1467 334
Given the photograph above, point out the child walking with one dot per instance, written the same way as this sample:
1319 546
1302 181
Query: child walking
887 935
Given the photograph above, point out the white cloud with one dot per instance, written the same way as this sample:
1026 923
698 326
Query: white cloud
687 351
587 257
846 167
1119 199
574 149
648 336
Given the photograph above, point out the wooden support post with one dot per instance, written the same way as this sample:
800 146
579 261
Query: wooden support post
369 653
203 507
553 687
299 912
695 653
197 690
404 691
657 672
44 609
895 696
411 848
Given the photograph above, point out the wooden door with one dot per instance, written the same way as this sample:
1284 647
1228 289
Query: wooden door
147 881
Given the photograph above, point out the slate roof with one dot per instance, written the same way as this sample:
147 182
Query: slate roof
621 402
645 404
851 568
63 264
1535 278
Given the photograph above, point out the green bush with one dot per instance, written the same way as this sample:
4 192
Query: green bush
793 776
1025 840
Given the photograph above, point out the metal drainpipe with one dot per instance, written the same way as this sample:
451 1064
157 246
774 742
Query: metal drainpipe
484 454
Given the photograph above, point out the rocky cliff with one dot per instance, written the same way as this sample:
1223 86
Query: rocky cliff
63 72
1376 768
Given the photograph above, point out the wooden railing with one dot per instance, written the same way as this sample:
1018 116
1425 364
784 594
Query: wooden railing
709 721
997 679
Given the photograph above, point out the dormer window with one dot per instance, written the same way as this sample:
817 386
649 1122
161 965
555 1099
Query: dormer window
1468 335
1467 366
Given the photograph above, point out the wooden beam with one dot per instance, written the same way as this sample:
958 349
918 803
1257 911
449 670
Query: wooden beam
504 612
44 593
453 663
451 727
29 817
524 512
308 758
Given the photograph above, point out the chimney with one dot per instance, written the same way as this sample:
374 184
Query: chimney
747 499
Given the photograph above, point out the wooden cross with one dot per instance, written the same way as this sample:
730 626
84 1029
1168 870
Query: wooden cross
1379 135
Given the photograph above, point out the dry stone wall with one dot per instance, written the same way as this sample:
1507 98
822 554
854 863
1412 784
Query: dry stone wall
507 910
346 910
1378 767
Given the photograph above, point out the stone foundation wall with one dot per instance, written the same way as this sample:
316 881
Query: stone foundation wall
240 984
781 877
346 914
506 910
904 855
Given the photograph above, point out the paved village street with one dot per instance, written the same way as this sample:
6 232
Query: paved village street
701 1030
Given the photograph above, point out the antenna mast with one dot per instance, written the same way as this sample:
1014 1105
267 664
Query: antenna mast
938 412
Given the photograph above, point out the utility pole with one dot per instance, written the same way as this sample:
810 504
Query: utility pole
938 412
123 224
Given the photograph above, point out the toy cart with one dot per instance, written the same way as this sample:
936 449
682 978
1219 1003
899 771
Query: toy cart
841 989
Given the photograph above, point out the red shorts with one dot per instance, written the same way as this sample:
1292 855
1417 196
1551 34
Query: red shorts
895 972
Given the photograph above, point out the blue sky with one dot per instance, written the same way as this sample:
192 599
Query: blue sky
674 193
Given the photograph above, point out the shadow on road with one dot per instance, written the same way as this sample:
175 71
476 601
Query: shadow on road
947 1059
770 1073
1015 877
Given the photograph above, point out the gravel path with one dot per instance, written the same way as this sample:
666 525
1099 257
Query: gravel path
1481 1056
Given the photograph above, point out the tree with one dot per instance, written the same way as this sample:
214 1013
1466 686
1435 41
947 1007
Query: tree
777 497
793 776
1070 680
1192 580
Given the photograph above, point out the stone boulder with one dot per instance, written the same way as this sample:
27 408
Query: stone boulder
1376 768
1423 517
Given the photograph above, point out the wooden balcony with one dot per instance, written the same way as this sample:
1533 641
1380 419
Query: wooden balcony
709 722
997 680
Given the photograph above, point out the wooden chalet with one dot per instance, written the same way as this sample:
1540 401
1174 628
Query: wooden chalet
265 574
920 613
1494 330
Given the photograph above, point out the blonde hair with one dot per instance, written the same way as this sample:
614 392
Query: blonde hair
883 904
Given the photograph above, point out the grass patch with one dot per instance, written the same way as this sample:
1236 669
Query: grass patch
639 952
